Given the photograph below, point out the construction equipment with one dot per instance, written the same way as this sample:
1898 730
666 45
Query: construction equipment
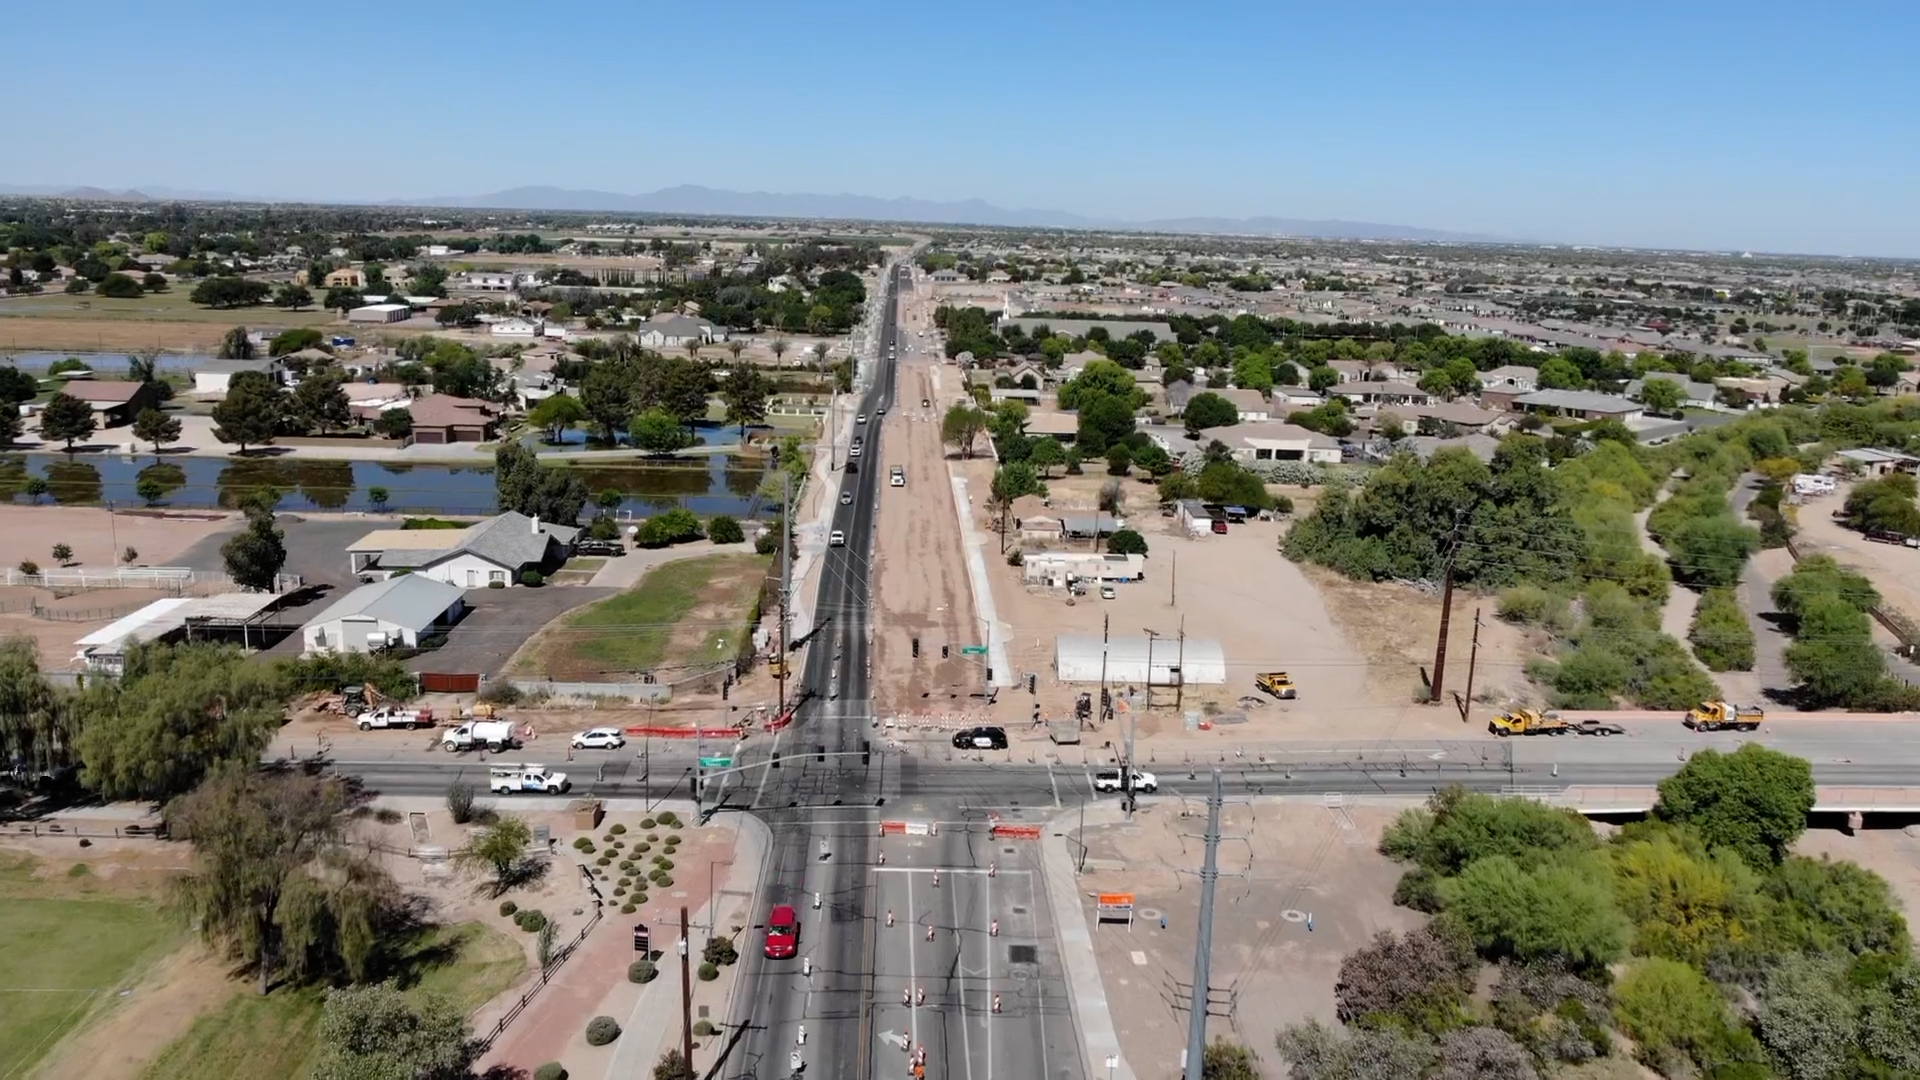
1277 683
1527 722
1719 715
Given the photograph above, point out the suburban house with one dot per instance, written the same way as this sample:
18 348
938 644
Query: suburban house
517 327
380 313
1458 413
1578 404
114 401
947 275
493 552
1380 393
1352 371
1275 441
1252 406
676 331
1515 378
443 418
488 281
345 278
366 401
1060 425
394 612
1693 395
1088 526
1288 398
212 378
1015 393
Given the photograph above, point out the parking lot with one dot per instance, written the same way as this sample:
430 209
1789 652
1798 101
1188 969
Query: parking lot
499 621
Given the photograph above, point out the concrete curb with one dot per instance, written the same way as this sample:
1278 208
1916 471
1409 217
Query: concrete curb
1085 990
975 547
656 1011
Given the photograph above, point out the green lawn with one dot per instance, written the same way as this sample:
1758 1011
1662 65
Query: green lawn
635 630
62 959
275 1036
169 306
71 944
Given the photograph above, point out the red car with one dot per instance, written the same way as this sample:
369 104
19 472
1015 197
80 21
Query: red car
783 933
1220 526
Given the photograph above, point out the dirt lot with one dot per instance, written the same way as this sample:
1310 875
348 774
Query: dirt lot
67 616
97 538
1281 863
1354 650
1893 569
921 584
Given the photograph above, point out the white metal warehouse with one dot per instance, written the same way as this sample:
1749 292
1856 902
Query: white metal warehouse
1139 660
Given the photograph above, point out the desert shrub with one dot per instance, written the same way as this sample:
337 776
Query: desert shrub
602 1030
647 823
617 829
669 818
664 881
663 862
709 972
1720 635
720 950
507 908
530 919
583 844
628 908
703 1028
642 971
1421 977
722 529
552 1070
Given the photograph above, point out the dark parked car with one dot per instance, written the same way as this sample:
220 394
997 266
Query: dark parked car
981 738
612 548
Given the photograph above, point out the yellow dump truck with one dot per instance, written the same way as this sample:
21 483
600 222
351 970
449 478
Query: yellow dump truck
1534 722
1277 683
1719 715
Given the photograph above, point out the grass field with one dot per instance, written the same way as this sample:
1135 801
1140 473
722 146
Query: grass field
170 306
254 1036
692 611
71 945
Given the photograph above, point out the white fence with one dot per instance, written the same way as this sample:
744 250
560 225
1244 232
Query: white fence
174 578
659 693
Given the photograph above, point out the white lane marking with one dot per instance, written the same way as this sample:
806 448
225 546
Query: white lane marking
1054 782
913 961
960 974
990 991
1039 984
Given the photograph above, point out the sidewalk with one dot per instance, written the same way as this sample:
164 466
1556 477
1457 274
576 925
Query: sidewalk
593 981
653 1021
1085 990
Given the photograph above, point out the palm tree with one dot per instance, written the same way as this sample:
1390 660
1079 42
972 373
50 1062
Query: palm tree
736 347
693 349
820 354
779 346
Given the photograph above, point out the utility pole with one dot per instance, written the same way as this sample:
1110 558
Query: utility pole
1173 583
1473 662
1203 946
786 583
1180 682
1106 622
686 989
1446 614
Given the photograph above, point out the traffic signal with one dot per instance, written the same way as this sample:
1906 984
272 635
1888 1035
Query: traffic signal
916 648
866 751
819 751
945 651
1033 683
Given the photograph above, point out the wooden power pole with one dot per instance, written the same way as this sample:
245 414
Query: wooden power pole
686 989
1446 616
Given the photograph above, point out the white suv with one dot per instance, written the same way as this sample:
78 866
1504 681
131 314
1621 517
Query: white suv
600 738
1109 780
837 539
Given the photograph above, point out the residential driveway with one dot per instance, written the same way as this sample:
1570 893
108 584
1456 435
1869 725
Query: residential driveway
498 622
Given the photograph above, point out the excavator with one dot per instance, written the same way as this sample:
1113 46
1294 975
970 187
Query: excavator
1535 722
1719 715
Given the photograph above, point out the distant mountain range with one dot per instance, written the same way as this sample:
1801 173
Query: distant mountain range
693 199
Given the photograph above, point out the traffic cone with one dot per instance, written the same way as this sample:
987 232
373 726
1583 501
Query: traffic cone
996 1003
929 931
889 916
993 929
906 996
992 868
920 997
936 879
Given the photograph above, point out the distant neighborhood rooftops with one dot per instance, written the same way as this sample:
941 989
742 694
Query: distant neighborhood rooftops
409 599
102 391
1585 401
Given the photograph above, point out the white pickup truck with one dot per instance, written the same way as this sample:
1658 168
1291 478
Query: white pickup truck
507 779
386 716
495 735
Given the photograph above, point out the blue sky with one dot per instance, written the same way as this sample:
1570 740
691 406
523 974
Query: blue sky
1755 125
